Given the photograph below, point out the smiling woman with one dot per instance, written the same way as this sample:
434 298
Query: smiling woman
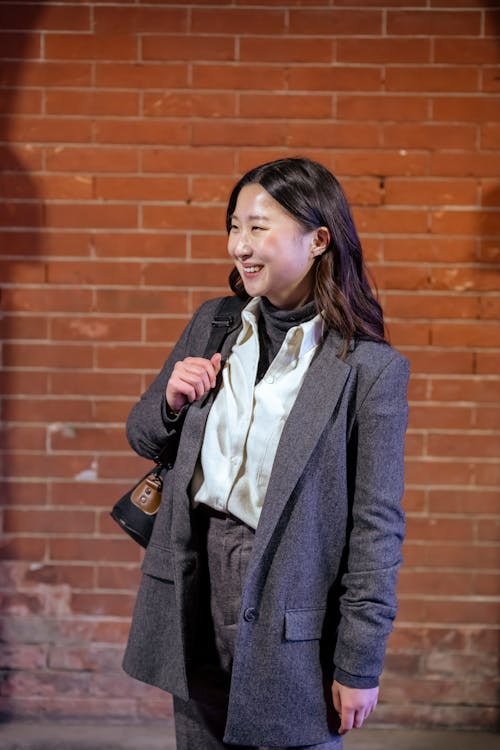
269 584
272 252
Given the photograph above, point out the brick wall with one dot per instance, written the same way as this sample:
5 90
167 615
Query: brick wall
123 127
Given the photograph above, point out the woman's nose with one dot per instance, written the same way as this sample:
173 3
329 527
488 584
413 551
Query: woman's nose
242 247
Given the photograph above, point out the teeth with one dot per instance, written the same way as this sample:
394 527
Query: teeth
252 269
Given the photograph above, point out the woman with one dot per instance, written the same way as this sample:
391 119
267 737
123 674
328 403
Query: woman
269 583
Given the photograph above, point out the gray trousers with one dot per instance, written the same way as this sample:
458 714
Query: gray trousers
200 722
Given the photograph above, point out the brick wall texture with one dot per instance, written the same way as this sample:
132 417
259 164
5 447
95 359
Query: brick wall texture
123 127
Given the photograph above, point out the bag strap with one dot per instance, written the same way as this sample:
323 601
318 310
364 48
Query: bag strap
222 323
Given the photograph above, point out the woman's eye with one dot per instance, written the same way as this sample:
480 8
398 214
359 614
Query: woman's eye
257 229
232 227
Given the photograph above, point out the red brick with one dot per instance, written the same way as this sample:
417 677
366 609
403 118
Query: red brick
381 107
332 135
490 136
141 75
383 50
333 78
238 21
23 548
95 329
466 164
286 49
141 188
434 305
431 136
189 161
428 416
50 130
47 300
90 160
234 78
46 73
432 78
464 279
235 133
430 192
49 522
466 109
17 272
211 189
336 22
88 103
138 131
433 22
138 244
469 51
296 106
140 19
480 334
81 215
47 410
381 162
457 555
140 301
50 356
26 327
90 46
213 246
182 216
446 611
123 357
487 363
187 47
435 360
180 104
120 384
474 389
429 249
89 550
489 79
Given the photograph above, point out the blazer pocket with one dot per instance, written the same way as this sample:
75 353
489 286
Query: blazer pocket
304 624
158 562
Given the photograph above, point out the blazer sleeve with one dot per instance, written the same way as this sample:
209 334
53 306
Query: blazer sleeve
368 600
149 429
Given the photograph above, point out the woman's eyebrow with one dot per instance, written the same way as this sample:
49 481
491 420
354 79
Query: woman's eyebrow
252 217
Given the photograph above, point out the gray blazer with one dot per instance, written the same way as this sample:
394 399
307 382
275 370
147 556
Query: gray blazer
319 598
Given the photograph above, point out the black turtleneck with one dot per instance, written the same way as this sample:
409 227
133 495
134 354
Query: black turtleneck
274 324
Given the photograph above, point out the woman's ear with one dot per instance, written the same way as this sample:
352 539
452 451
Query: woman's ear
320 241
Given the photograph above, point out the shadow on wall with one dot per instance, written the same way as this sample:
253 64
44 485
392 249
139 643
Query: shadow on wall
21 216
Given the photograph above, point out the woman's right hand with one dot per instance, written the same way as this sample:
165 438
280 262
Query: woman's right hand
191 379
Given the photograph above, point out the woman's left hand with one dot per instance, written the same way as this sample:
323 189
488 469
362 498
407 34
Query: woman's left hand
353 705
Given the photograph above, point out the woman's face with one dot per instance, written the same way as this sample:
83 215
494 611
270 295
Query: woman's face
271 250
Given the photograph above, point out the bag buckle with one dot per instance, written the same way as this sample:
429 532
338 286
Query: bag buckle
147 495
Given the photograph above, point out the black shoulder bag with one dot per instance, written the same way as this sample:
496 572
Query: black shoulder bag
136 510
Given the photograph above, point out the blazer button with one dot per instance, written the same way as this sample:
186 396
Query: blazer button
250 614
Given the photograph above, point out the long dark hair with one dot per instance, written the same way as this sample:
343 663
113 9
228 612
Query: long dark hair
314 197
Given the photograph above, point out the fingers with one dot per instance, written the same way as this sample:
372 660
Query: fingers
191 379
353 705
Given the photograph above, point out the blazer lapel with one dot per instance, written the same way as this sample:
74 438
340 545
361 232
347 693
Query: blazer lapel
317 399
